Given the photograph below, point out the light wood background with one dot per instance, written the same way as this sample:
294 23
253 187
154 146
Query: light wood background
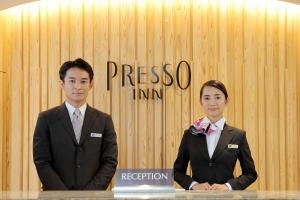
251 46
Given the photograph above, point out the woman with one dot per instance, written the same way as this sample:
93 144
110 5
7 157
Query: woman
213 147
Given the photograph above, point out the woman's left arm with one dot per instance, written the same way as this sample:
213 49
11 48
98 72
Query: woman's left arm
249 174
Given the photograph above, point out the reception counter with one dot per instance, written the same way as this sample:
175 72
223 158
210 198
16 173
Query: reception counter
103 195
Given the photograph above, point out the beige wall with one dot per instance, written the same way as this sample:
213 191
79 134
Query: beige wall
4 4
252 48
3 102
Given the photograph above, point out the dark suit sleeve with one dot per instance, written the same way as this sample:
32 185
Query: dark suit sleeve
249 174
108 161
43 158
181 164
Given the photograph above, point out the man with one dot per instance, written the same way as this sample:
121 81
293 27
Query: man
74 145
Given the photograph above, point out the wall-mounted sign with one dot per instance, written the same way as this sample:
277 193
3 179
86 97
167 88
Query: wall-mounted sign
155 76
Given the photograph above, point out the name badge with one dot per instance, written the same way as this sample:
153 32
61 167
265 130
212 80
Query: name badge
97 135
233 146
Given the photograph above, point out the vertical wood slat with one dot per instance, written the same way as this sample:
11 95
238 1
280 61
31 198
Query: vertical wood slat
76 29
238 62
213 42
291 112
126 106
117 20
2 25
282 95
170 148
158 104
261 63
25 86
269 93
88 39
250 80
217 39
238 67
229 51
43 32
65 29
34 94
14 167
101 55
276 102
150 104
298 84
53 53
185 54
7 63
223 25
177 56
186 48
141 60
197 58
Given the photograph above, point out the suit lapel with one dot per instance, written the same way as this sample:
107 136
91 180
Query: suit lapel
65 120
225 138
203 146
89 119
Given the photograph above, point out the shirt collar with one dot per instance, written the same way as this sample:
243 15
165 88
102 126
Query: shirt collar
219 124
71 109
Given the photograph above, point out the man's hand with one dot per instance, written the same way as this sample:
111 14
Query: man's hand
220 187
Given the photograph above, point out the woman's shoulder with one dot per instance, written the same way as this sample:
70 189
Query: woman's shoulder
234 130
188 132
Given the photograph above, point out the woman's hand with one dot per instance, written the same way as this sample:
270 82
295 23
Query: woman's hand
206 186
201 186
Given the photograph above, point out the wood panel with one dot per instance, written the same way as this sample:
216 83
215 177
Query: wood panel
298 80
2 74
250 79
14 139
261 102
251 46
6 63
34 92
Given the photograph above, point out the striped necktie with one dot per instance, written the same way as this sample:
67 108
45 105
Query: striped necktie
77 124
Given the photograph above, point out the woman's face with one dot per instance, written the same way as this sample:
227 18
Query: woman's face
213 102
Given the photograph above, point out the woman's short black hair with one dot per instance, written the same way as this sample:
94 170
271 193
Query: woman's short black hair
216 84
79 63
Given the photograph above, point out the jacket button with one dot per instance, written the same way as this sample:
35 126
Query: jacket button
78 166
210 164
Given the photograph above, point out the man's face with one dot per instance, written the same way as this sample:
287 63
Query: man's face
76 86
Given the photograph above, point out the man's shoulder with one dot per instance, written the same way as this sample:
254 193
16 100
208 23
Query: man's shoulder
50 112
99 113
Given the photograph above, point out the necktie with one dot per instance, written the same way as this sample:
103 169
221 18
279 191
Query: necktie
77 124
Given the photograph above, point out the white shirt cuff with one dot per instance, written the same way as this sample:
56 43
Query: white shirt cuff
192 184
228 185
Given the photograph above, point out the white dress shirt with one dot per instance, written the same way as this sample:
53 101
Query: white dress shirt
212 140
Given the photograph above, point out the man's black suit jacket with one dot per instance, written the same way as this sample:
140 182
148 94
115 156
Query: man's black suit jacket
62 163
218 169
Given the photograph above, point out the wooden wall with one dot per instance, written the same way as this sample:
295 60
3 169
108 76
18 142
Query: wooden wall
1 104
252 46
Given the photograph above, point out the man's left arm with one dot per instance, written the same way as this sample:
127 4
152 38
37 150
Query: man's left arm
108 160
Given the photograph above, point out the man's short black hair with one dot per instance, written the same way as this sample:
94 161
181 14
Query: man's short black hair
79 63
